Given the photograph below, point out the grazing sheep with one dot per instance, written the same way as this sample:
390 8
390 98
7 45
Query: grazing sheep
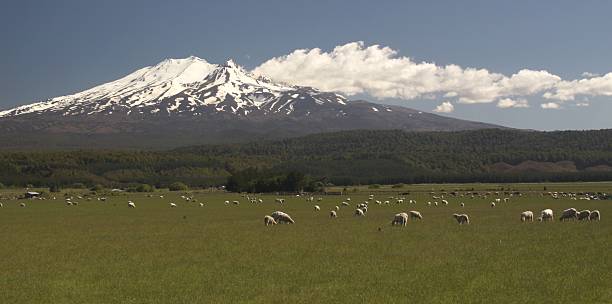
172 205
236 203
1 205
462 218
595 216
569 214
282 217
131 204
436 204
317 208
68 203
399 219
333 214
462 205
428 203
584 215
268 220
345 204
359 212
22 204
226 202
527 216
445 202
546 215
492 204
337 207
415 215
364 209
201 204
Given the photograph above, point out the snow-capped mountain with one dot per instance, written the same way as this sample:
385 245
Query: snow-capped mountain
190 101
189 86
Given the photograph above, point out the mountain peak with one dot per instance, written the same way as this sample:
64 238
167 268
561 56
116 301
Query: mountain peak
191 86
230 63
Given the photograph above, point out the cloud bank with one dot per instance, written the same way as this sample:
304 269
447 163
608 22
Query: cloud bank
512 103
445 107
550 106
377 70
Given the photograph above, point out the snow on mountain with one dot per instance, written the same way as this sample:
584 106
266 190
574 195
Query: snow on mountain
189 86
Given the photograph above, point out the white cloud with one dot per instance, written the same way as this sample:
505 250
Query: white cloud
445 107
550 106
589 75
595 86
377 70
512 103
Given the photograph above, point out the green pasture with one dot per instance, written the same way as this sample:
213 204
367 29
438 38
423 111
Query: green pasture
105 252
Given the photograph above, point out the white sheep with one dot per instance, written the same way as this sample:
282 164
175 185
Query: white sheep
226 202
345 204
172 205
462 205
415 215
359 212
268 220
333 214
131 204
337 208
546 215
201 204
527 216
492 204
22 204
595 216
584 215
1 205
445 202
282 217
462 218
399 219
236 203
569 214
317 208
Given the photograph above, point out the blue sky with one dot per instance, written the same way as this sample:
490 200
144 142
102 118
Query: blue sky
52 48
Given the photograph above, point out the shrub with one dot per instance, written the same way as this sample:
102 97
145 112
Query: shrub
178 186
142 188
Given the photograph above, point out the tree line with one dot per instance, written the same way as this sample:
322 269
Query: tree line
340 158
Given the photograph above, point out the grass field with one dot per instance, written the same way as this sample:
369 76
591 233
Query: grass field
107 253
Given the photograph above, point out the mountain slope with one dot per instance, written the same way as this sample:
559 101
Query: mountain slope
190 101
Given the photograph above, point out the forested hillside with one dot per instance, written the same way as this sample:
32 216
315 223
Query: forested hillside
350 157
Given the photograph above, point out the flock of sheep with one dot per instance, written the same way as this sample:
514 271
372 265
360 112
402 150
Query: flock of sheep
402 218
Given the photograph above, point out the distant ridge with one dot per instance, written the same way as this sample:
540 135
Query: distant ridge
190 101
